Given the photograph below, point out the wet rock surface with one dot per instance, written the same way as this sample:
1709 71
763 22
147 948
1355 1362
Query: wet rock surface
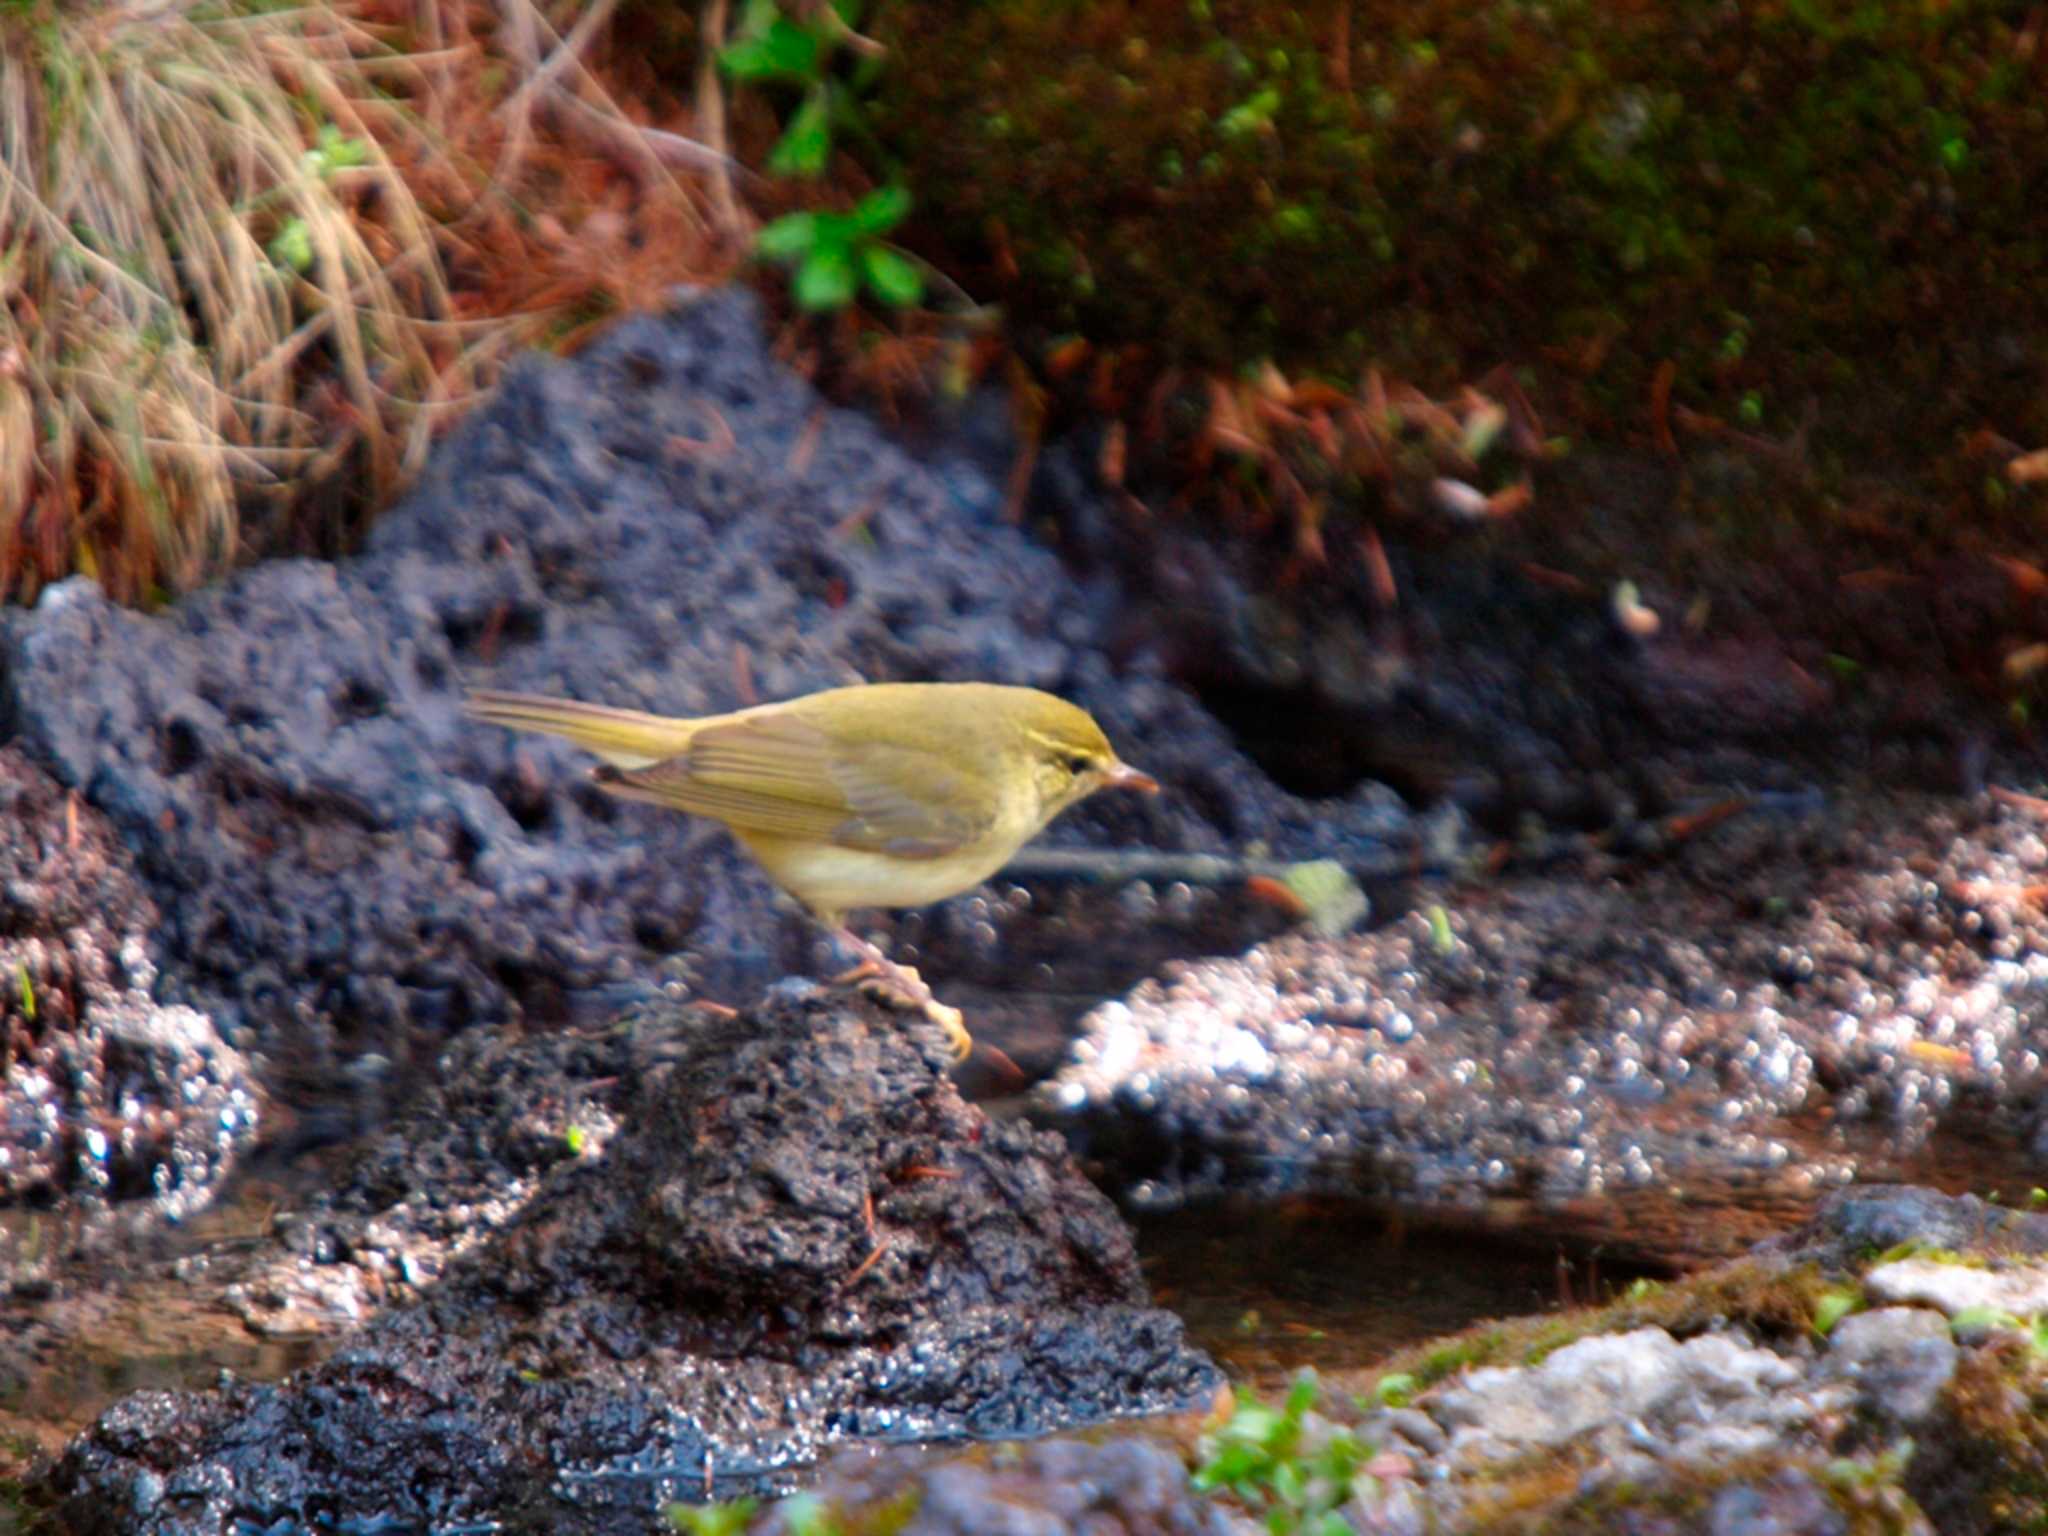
346 869
1762 1010
1709 1408
1137 1486
802 1235
109 1100
1753 1399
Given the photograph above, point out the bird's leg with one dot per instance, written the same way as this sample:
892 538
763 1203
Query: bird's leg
880 975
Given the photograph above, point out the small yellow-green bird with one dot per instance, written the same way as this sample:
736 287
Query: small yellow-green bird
881 795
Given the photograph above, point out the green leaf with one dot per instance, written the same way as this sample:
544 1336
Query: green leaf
331 152
804 1514
892 277
1301 1396
712 1519
1290 1487
826 280
1984 1319
781 51
1251 116
1395 1388
292 246
787 238
1253 1423
1831 1308
806 143
881 210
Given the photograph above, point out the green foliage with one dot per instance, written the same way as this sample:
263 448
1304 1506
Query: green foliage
1885 1470
1986 1319
806 1515
713 1519
801 1514
836 254
333 151
1296 1473
1441 939
1394 1389
775 48
1832 1307
1434 185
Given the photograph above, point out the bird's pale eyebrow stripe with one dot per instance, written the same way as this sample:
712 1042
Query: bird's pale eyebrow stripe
1054 744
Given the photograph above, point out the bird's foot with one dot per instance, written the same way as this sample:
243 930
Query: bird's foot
901 987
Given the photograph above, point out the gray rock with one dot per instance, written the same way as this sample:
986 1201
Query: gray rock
2020 1290
1851 1224
1899 1357
1055 1487
669 520
1643 1385
1790 1504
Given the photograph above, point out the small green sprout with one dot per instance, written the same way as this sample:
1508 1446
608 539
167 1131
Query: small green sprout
575 1138
775 47
28 990
1272 1461
1251 116
292 245
835 254
805 1514
713 1519
1831 1308
1331 899
1986 1320
331 151
1394 1389
1441 939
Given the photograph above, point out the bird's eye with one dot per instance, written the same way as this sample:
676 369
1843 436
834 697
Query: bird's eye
1079 763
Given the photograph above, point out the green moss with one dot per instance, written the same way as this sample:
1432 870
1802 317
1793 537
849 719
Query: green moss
1985 1467
1771 1299
1435 185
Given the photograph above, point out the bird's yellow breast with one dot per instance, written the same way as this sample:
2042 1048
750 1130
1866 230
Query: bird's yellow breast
832 880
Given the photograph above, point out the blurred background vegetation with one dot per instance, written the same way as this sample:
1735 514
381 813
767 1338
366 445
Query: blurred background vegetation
1297 262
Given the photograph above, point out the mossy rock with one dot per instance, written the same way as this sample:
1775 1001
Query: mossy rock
1835 200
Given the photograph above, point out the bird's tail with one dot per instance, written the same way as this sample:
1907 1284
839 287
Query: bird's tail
625 738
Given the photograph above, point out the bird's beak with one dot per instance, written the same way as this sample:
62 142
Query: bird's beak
1124 776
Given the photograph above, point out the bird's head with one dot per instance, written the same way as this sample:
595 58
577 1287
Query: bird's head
1071 758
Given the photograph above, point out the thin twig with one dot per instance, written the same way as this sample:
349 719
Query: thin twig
711 118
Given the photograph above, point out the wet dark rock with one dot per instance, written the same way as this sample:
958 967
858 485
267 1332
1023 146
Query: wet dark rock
459 1160
1775 1000
345 865
801 1236
107 1098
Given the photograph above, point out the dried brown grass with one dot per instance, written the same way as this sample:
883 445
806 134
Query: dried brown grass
251 261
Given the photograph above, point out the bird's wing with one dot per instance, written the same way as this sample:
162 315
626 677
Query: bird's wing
779 775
